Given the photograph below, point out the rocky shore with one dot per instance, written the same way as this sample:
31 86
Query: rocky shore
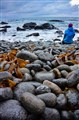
39 81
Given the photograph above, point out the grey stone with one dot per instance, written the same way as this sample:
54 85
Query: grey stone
51 114
26 55
73 98
24 70
21 88
64 67
67 115
73 78
42 89
48 98
78 86
61 82
27 77
5 94
32 66
61 101
34 83
32 103
41 76
76 114
12 110
5 75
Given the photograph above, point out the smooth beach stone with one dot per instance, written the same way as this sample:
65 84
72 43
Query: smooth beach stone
57 73
45 56
78 86
32 103
17 80
6 67
5 94
42 89
47 67
54 63
39 62
61 101
21 88
64 67
5 75
73 78
34 83
12 110
41 76
32 66
26 55
51 114
74 67
72 98
24 70
64 73
61 82
54 88
27 77
76 114
67 115
48 98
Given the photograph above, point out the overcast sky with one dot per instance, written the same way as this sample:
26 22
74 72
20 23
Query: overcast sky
11 9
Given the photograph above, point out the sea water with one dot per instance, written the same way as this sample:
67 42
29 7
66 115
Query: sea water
44 35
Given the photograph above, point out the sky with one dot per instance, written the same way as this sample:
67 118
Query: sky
11 9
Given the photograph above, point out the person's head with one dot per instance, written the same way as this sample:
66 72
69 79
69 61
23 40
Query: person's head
70 25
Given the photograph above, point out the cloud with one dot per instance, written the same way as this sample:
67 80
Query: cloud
74 2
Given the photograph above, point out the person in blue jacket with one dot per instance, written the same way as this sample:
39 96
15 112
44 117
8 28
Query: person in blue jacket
69 35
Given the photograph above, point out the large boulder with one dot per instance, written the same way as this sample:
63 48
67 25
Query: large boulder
41 76
30 25
32 103
21 88
12 110
26 55
48 98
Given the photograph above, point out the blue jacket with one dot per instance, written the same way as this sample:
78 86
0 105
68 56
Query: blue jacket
69 35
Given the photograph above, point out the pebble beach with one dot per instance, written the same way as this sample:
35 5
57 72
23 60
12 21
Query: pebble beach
39 80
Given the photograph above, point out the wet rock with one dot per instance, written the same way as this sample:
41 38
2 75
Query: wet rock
51 114
53 87
67 115
61 82
72 97
33 34
47 67
41 76
42 89
5 94
32 66
45 26
64 67
3 30
48 98
32 103
26 55
73 78
76 114
30 25
20 29
39 62
76 30
6 26
59 32
56 21
61 101
21 88
5 75
12 110
3 23
27 77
